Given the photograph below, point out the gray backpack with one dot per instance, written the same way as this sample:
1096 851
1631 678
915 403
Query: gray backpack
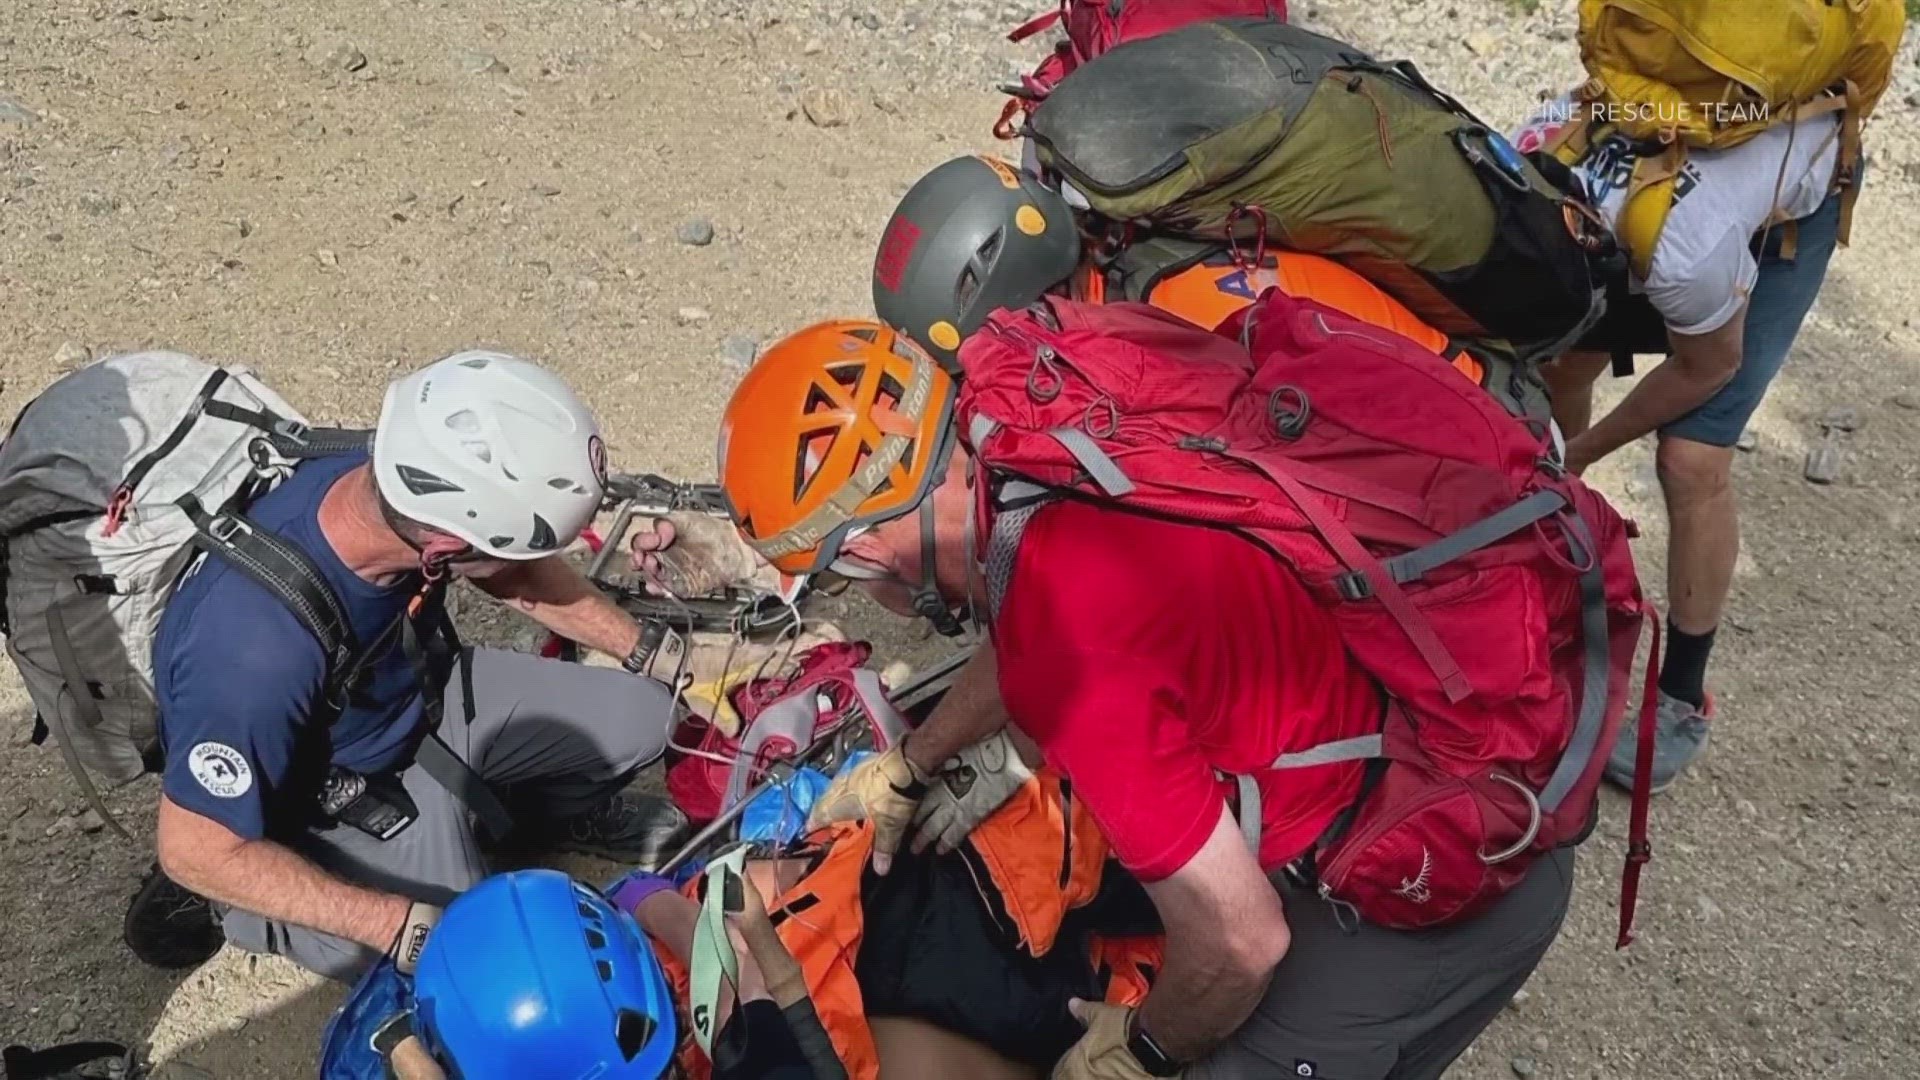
112 482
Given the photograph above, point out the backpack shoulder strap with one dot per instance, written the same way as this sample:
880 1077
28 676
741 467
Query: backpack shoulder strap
286 572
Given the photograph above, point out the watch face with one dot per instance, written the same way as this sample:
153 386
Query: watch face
1149 1055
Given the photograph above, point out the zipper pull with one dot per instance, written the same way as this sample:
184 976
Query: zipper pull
117 509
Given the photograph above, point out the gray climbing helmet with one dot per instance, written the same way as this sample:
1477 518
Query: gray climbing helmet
973 235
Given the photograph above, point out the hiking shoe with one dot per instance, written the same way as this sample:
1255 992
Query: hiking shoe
169 927
1679 736
638 830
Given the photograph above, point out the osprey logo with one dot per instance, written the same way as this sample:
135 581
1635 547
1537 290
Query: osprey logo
1414 889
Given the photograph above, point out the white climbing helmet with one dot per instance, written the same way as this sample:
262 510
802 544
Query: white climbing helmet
492 449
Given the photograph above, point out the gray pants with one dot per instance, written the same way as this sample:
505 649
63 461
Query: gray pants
1377 1004
551 738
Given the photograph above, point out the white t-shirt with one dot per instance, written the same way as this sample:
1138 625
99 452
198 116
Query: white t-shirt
1702 268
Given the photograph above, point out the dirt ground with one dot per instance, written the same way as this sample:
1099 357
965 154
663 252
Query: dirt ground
332 192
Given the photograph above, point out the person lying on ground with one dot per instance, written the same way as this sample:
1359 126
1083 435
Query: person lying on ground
991 943
331 832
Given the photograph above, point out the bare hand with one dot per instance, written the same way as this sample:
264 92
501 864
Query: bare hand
649 541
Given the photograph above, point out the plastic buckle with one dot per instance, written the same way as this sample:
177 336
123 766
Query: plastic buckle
292 430
225 527
1354 585
1639 854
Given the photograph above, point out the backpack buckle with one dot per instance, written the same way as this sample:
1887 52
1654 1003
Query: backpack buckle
292 430
225 527
1354 585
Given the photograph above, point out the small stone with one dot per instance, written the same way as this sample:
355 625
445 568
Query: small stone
336 56
1541 1044
973 17
1706 908
97 204
1913 100
688 316
1519 999
695 232
69 356
60 827
326 257
479 63
825 107
91 821
740 350
1523 1067
650 41
870 20
69 1023
1748 440
546 191
1483 43
886 104
813 47
13 111
1907 399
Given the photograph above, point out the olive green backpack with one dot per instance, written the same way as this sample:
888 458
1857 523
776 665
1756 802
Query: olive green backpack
1258 133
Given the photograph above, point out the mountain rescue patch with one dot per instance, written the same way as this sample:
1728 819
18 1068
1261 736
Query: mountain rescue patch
220 769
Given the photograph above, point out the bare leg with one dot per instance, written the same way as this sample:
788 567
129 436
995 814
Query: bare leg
1570 379
1704 530
917 1050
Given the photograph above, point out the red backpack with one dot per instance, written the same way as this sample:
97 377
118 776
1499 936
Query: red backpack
1094 26
1491 594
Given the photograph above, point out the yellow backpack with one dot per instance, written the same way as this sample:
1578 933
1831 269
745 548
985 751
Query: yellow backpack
1716 73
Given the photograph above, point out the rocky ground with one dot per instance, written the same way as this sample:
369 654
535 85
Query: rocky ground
643 194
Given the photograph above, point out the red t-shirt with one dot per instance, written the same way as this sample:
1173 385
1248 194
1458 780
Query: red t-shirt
1143 655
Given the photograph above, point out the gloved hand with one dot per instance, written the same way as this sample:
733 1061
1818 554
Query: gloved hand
627 893
967 790
1101 1054
884 789
412 937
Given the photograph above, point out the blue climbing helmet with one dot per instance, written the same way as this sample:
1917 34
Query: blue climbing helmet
533 974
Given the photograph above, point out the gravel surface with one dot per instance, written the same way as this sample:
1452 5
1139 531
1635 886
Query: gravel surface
645 194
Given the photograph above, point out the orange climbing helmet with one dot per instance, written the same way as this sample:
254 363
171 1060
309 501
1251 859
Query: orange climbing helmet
838 427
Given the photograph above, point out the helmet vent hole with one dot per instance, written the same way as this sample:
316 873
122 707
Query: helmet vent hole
814 447
477 363
499 541
633 1030
891 391
847 375
586 911
480 450
965 289
605 968
466 422
561 483
818 401
865 333
990 246
595 939
543 538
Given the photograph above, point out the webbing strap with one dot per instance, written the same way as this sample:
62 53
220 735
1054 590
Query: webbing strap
283 570
439 761
1358 559
1095 460
1585 741
1358 748
1250 819
81 695
713 956
1002 549
1491 529
1639 851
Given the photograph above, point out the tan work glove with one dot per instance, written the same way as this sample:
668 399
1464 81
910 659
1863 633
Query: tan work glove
1101 1054
967 790
885 789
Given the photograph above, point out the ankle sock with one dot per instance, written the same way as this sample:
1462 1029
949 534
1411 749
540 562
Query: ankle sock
1683 671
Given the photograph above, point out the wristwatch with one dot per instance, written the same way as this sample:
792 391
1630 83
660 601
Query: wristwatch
640 660
1147 1052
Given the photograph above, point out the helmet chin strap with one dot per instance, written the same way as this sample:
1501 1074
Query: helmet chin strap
926 596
